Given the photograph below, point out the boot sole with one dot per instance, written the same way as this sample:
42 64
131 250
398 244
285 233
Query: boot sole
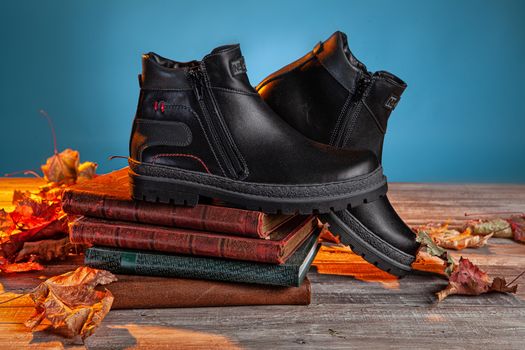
368 245
155 183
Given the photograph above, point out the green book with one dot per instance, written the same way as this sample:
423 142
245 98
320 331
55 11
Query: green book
135 262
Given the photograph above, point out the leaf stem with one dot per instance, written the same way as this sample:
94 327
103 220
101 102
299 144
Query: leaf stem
9 300
516 278
25 172
493 213
117 157
50 122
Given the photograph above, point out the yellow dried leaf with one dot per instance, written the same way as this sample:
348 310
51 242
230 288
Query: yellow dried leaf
86 171
448 238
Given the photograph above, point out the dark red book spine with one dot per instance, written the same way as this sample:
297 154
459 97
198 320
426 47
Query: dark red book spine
202 217
191 242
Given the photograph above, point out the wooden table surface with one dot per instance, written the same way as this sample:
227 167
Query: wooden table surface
354 305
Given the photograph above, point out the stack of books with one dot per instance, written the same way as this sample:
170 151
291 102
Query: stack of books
214 255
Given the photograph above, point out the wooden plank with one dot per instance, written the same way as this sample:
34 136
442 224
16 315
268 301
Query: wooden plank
356 306
420 203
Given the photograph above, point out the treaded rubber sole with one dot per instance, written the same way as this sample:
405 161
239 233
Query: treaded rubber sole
185 187
370 246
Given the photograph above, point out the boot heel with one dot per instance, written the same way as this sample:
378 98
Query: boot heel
161 192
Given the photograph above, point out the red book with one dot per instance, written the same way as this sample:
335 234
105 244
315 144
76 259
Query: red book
276 249
108 197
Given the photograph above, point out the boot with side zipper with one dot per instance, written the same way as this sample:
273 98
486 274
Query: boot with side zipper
329 96
201 129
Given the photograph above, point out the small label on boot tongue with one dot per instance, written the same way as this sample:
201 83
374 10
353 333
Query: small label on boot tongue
391 102
238 66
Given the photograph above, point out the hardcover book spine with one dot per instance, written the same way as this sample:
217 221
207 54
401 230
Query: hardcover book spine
156 292
139 263
174 241
202 217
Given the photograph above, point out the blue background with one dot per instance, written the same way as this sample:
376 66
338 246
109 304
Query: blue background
462 117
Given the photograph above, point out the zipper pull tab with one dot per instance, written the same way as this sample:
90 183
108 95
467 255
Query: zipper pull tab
197 84
198 91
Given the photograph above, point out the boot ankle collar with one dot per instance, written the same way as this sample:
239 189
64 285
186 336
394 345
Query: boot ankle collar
225 68
339 61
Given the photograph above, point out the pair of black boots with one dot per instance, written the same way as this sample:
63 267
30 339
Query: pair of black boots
307 139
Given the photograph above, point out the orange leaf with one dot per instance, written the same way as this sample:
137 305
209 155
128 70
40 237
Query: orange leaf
7 267
326 235
35 217
71 303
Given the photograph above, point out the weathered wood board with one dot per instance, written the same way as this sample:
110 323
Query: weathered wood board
354 307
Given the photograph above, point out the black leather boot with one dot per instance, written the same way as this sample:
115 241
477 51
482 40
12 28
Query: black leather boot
330 97
201 129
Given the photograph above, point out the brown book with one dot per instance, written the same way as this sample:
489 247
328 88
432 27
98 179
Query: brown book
139 292
276 249
108 197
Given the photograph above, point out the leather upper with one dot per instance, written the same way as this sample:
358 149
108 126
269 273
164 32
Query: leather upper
339 102
180 104
329 96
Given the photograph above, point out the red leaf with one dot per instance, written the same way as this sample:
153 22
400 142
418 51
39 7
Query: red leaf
517 223
468 279
34 218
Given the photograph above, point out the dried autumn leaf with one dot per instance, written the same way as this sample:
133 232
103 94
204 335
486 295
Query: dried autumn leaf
6 223
453 239
496 227
7 267
62 167
12 243
429 263
86 171
430 247
37 216
326 235
51 191
19 195
32 212
71 303
46 249
517 224
34 218
468 279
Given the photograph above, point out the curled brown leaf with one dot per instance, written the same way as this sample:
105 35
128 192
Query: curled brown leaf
71 303
46 249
